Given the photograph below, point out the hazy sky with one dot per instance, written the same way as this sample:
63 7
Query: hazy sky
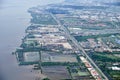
42 2
26 3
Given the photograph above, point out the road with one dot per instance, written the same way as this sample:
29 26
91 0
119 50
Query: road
67 33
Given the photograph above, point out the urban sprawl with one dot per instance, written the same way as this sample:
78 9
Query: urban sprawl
72 42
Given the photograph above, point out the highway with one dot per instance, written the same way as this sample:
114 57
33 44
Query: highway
67 33
83 51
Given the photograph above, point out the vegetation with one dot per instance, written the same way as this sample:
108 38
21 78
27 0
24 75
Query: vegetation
84 38
59 63
43 19
46 79
27 63
66 79
105 60
105 57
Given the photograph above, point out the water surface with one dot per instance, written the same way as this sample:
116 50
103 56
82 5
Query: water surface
14 19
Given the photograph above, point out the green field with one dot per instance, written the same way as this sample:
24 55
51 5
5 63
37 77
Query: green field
45 19
58 58
84 38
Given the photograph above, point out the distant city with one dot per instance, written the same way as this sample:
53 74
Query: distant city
73 40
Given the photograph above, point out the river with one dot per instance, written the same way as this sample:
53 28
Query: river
14 19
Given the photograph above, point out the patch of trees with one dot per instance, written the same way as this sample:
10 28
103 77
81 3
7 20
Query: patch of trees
59 63
84 38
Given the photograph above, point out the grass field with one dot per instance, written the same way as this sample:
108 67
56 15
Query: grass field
81 74
56 72
58 58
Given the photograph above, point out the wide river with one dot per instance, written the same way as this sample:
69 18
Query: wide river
14 19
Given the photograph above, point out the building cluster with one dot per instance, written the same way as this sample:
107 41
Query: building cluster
98 46
49 37
93 72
